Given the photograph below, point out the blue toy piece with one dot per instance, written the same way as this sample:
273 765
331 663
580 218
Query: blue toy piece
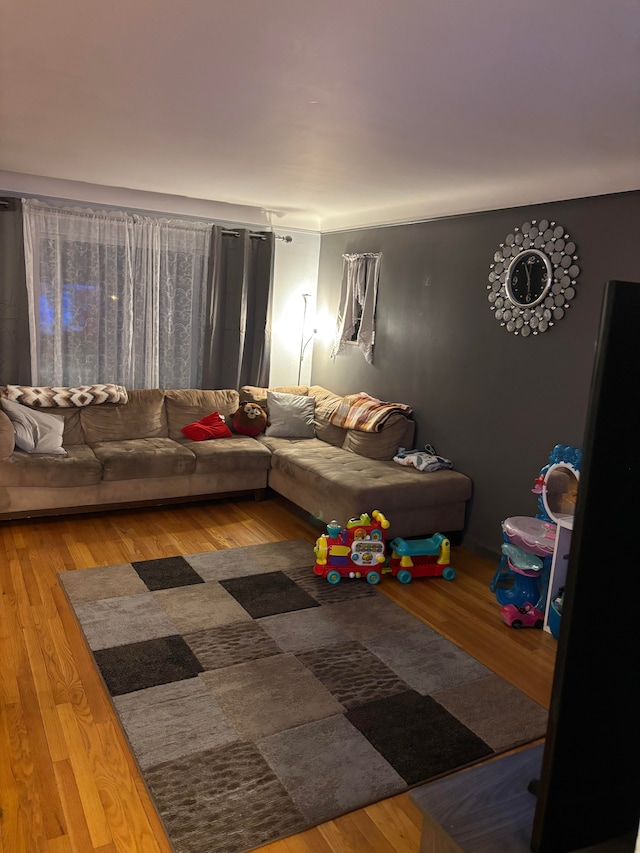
417 547
520 559
522 590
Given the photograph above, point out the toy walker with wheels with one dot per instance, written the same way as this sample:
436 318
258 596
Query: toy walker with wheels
359 551
421 558
355 551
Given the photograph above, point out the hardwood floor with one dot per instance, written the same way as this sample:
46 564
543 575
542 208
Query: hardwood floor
67 781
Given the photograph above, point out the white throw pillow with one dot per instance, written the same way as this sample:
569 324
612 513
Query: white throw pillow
290 415
36 432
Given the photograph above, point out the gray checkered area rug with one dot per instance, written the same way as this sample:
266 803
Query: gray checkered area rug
259 700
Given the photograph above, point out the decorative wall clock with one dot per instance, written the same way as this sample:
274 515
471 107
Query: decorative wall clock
533 277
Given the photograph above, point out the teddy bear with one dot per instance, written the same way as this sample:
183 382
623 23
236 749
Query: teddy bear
249 419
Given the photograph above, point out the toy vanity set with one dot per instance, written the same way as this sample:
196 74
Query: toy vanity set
529 582
359 551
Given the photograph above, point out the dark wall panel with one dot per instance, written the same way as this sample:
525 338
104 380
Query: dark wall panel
494 403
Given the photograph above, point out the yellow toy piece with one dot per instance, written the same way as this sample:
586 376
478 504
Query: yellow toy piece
379 517
445 553
321 550
339 550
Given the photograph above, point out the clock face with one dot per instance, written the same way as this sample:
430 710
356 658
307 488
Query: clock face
528 278
533 278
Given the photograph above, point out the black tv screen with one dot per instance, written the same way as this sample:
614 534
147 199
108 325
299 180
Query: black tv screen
589 789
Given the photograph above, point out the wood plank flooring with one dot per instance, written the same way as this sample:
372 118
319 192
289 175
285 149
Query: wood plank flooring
67 781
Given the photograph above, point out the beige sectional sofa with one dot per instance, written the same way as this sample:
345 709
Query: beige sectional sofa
132 453
135 453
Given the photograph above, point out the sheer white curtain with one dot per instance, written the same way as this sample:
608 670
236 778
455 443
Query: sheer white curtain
115 297
357 308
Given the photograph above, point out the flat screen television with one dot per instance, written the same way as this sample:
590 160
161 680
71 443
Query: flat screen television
589 787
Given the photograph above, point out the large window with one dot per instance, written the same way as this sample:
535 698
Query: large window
115 297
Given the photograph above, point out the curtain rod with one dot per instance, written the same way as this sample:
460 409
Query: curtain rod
287 238
259 235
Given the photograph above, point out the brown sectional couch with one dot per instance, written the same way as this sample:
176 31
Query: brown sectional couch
135 453
132 454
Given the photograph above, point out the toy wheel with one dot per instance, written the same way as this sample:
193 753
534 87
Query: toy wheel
333 576
449 573
404 576
373 577
516 623
538 624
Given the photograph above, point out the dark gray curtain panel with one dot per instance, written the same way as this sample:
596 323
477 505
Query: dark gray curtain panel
15 360
238 336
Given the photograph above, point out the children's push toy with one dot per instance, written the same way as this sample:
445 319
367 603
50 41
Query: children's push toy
421 558
358 551
355 551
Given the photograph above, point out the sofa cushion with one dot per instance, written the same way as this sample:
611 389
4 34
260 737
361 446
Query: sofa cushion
35 431
142 417
188 405
257 394
144 457
233 454
290 415
7 436
397 431
326 403
73 433
318 466
79 467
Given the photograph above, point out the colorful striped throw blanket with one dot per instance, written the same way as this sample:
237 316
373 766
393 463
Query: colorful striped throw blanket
366 413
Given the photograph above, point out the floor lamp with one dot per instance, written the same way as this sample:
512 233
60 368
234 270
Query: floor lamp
304 344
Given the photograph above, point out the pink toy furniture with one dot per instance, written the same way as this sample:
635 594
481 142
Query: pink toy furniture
533 548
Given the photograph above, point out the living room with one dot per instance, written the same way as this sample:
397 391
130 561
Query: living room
493 402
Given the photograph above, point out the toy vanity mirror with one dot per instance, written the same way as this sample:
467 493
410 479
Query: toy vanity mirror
560 492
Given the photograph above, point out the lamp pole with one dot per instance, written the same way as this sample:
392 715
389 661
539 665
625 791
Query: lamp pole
303 344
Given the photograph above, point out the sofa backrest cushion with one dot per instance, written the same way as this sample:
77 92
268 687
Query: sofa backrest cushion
73 432
257 394
326 403
143 416
396 432
188 405
7 436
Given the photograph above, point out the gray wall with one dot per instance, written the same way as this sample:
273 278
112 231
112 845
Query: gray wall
494 403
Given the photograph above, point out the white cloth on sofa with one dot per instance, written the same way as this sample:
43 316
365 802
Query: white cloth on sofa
423 460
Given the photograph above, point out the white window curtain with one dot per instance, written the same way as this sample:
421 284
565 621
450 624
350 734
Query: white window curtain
115 297
357 308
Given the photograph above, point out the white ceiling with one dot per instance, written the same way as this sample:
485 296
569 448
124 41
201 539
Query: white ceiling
331 114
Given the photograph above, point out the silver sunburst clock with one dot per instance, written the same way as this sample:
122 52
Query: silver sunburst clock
533 278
